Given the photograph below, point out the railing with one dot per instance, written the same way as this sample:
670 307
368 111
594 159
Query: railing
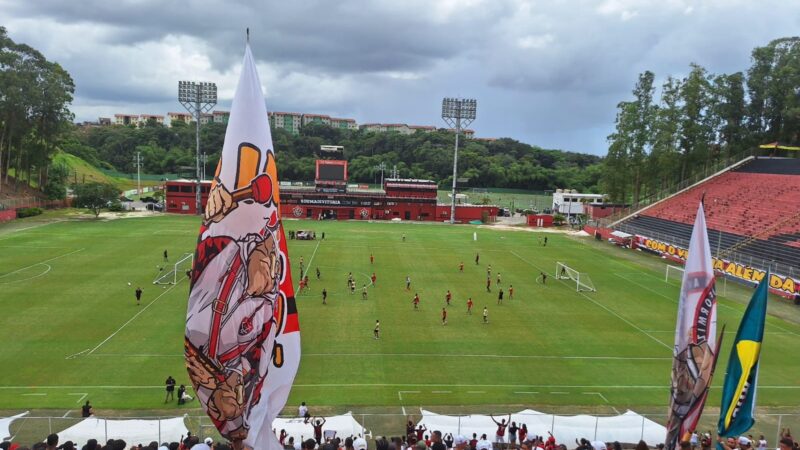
27 430
32 202
750 259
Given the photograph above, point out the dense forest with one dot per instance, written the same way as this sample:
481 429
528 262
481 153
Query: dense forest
35 95
688 124
501 163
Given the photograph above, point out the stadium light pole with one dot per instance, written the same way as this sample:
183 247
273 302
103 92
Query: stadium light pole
457 112
197 98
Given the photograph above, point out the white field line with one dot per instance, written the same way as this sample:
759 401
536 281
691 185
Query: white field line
48 269
66 414
417 355
307 268
722 305
476 392
82 394
37 394
75 355
400 397
28 228
560 393
134 316
600 305
41 262
526 392
441 392
337 385
600 394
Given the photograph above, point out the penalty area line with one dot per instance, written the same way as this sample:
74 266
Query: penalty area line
610 311
134 317
42 262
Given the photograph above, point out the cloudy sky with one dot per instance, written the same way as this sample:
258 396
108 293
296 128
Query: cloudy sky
545 72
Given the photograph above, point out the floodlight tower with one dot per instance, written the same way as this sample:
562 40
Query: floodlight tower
197 98
457 112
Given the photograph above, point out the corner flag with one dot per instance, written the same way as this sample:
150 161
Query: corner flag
739 389
242 342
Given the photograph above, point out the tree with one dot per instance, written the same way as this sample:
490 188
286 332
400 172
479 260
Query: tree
95 196
56 187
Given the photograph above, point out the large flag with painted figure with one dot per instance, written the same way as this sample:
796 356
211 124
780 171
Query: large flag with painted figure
739 389
242 343
695 352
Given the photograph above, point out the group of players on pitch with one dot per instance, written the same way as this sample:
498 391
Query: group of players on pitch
415 301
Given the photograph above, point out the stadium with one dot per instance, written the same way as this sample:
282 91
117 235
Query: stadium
530 299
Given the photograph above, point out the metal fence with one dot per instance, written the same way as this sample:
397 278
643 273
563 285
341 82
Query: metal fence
28 430
32 202
750 259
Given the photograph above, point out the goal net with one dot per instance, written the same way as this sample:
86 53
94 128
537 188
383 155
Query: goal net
581 279
674 275
171 275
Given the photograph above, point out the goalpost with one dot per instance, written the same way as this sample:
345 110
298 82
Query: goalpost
675 273
177 270
581 279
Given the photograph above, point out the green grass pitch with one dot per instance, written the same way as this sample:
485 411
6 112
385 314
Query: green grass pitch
70 327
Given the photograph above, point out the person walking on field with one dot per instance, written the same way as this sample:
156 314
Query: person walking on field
364 292
447 297
444 316
498 278
371 259
408 282
511 292
469 306
488 284
318 273
138 295
373 278
500 297
477 258
166 256
324 296
377 331
461 267
415 301
485 315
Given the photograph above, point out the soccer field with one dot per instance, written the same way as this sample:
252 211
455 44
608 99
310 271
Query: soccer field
71 328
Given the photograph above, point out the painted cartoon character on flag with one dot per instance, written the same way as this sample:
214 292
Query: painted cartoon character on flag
242 343
696 344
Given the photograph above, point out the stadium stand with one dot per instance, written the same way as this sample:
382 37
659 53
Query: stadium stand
752 212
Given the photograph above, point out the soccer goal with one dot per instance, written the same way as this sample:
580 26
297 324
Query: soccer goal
581 279
171 275
674 275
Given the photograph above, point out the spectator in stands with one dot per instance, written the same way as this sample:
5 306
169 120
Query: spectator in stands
448 440
512 430
309 444
501 426
317 424
436 441
786 443
460 443
69 445
91 444
52 441
483 443
360 444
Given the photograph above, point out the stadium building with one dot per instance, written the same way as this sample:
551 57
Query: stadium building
331 197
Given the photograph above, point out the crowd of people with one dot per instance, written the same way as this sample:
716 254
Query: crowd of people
508 436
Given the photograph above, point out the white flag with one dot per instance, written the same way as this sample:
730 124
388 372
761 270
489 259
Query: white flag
242 336
695 351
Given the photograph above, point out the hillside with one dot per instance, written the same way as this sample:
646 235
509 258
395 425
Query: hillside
81 172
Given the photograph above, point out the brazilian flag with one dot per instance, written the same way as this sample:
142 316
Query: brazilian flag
739 389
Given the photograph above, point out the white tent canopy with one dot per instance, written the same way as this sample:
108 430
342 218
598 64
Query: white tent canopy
5 424
629 427
134 431
344 426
